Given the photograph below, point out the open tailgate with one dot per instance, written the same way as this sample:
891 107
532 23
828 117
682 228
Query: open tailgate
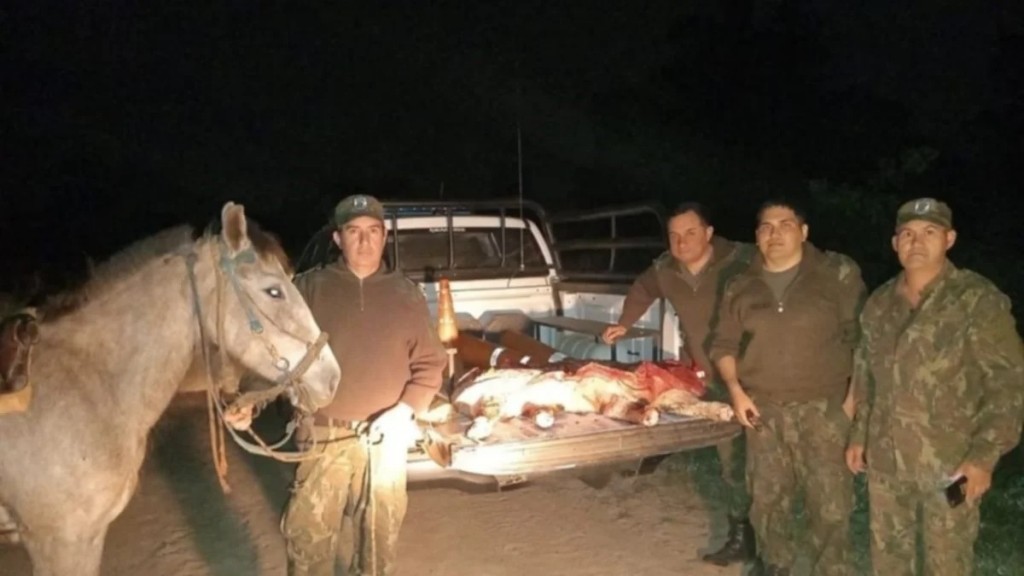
519 448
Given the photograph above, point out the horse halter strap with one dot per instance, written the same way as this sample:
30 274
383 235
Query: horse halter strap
227 264
226 267
289 376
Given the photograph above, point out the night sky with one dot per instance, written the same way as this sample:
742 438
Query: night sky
120 118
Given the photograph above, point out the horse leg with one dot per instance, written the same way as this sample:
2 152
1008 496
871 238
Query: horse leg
59 556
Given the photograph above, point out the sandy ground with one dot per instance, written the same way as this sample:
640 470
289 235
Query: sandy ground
178 522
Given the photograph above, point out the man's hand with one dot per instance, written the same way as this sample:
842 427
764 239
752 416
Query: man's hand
238 418
613 333
741 405
855 458
979 481
395 423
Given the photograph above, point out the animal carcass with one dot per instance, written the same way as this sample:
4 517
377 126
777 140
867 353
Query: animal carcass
637 395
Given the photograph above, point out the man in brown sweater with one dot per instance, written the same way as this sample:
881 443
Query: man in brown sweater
784 347
692 276
381 332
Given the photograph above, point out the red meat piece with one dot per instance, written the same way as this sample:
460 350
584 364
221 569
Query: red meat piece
687 374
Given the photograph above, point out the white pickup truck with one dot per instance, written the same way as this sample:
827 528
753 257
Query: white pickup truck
509 270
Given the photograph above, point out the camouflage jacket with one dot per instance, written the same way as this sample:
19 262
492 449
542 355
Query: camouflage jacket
697 307
942 384
800 348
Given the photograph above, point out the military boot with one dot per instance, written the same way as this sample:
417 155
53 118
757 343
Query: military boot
739 547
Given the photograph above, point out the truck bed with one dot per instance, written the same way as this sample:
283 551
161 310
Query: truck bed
518 449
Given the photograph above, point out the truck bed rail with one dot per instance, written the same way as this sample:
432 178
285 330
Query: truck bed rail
585 244
519 448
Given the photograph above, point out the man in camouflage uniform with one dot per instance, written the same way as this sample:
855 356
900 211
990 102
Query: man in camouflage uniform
692 276
381 332
784 347
940 381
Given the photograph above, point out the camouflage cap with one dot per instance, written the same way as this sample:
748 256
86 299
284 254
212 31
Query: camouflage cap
356 206
928 209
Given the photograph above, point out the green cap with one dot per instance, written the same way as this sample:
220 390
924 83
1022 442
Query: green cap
928 209
356 206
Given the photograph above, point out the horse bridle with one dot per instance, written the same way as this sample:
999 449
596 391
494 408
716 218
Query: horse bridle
226 266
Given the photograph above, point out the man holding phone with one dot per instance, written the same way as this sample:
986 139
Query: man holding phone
939 378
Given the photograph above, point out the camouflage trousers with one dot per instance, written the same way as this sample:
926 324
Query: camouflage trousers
332 487
903 510
732 455
799 452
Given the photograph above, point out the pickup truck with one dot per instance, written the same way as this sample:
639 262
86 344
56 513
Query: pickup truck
509 268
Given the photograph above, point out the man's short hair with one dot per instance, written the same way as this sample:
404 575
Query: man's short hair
700 210
801 214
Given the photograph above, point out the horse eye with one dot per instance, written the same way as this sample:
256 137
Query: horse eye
274 292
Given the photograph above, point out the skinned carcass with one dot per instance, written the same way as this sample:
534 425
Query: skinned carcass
637 395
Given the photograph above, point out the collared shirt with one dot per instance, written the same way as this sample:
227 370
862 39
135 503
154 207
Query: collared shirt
693 279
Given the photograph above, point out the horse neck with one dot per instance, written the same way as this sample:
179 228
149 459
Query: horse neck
137 339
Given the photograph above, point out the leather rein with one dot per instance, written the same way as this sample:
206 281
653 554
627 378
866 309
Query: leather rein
287 381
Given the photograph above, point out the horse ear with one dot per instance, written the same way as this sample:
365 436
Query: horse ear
233 228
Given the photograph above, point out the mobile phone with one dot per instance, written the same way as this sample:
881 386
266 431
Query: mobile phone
956 492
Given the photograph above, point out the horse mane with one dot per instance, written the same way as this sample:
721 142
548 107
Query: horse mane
268 246
127 261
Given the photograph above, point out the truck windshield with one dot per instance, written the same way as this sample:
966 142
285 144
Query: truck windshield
422 250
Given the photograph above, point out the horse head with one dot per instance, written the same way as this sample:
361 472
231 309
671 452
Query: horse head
259 318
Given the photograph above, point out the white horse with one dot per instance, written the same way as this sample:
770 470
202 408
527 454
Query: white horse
107 367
